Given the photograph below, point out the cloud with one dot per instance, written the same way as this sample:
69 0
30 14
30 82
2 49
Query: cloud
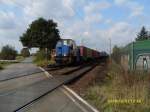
12 26
7 20
121 33
50 9
76 20
93 18
94 7
135 7
121 2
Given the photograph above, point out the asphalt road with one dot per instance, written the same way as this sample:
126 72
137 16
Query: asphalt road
57 101
19 69
16 93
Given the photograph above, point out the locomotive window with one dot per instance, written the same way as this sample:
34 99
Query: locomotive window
59 43
65 42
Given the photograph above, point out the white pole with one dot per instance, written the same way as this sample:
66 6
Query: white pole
110 48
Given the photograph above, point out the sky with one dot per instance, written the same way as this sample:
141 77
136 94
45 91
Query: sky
89 22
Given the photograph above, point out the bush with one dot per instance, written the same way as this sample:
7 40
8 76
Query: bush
116 55
25 52
41 55
8 53
20 58
40 58
1 67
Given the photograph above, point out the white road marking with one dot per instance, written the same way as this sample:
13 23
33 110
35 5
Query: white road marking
79 98
76 103
66 89
46 73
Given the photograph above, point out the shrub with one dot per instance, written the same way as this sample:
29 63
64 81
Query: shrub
116 55
1 67
40 58
8 53
41 55
20 58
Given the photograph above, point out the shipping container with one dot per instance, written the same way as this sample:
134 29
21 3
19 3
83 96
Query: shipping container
88 53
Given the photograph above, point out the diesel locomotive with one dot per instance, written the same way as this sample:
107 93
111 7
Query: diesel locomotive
67 52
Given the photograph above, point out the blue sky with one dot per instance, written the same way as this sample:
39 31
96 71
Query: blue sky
92 21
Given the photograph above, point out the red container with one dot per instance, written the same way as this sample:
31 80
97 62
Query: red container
95 54
82 51
87 52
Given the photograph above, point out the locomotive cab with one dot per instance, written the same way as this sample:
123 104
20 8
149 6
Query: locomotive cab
65 51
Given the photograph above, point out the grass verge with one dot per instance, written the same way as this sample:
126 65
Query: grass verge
120 91
20 58
1 67
43 63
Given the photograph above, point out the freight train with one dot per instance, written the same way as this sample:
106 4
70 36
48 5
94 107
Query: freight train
67 52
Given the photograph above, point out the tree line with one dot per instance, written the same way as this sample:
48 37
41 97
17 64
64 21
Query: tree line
10 53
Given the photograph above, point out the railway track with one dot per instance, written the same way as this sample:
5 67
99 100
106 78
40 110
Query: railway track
24 95
27 73
36 71
63 80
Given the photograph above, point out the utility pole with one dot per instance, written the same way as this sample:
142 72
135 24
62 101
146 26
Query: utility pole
82 41
110 49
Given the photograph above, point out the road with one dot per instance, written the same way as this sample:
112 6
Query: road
18 69
32 93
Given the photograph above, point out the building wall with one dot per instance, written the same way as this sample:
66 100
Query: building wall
143 62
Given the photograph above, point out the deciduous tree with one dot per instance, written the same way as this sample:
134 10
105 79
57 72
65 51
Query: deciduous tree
8 53
41 34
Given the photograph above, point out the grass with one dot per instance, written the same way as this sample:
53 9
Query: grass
1 67
43 63
4 64
120 86
41 59
20 58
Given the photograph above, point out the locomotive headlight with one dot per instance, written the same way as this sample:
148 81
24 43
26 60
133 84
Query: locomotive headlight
64 54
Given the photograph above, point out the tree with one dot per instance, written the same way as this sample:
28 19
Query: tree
25 52
8 53
116 55
41 33
142 35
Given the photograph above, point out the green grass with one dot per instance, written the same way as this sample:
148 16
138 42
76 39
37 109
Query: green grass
40 59
20 58
120 85
1 67
4 64
43 63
